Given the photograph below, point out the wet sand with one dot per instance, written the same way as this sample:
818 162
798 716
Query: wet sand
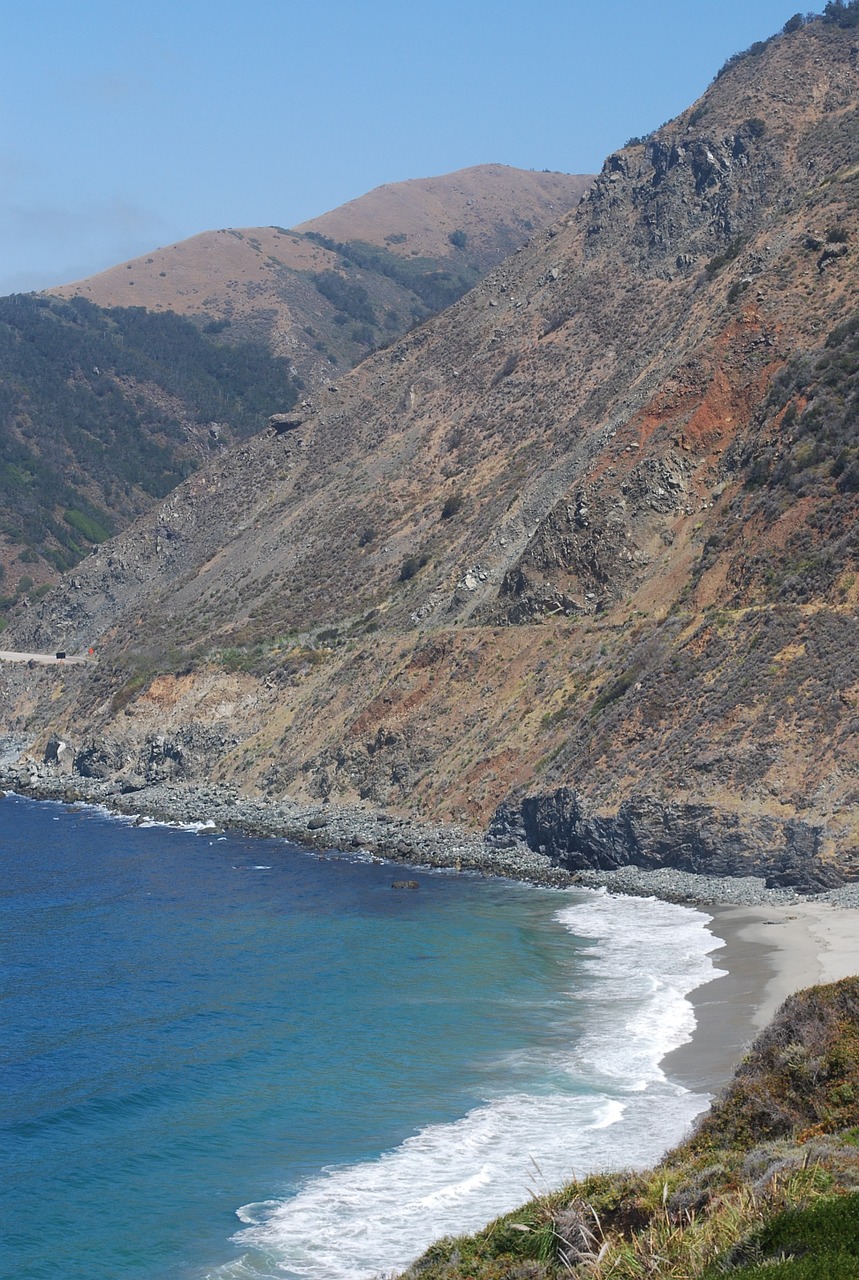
769 952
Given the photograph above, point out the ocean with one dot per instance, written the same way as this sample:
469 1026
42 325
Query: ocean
227 1058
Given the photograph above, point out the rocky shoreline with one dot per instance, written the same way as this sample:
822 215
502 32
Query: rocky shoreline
323 826
395 838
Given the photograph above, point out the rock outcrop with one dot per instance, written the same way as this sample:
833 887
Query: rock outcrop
645 833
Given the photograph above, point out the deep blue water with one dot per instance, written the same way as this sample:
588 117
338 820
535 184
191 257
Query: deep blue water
196 1028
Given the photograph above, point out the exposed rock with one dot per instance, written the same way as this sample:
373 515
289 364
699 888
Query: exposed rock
162 760
60 755
99 759
648 834
659 488
282 422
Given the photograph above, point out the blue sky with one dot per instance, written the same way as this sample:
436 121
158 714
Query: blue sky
124 126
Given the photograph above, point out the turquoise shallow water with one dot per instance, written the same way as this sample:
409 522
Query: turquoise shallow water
232 1057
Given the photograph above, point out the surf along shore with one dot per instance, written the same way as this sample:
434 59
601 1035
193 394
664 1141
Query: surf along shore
775 941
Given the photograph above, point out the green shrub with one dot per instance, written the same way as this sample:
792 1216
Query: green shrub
431 280
820 1242
65 364
453 504
90 529
843 15
754 51
611 692
346 295
363 334
412 565
722 259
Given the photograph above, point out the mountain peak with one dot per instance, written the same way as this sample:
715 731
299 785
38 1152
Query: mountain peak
327 292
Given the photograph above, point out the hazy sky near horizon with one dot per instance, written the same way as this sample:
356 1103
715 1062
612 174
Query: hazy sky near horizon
126 126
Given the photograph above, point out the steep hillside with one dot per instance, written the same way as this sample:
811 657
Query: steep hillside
105 408
588 535
774 1200
102 413
336 287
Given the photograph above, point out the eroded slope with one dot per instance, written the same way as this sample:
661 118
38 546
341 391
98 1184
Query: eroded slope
592 529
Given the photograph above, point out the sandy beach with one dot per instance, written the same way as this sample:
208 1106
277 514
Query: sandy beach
768 952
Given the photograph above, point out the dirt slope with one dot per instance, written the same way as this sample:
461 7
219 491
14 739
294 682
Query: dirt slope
590 534
492 203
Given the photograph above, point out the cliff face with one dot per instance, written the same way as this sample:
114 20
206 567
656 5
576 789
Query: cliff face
699 838
593 528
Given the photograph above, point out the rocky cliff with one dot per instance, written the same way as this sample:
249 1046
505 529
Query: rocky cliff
592 530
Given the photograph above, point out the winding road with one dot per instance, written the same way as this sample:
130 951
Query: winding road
46 659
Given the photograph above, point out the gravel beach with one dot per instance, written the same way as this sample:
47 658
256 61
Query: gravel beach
400 839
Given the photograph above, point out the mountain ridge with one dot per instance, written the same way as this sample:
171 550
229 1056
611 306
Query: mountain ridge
104 408
399 253
591 530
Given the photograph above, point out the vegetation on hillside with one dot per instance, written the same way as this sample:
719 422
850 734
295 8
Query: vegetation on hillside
104 411
800 467
839 13
766 1187
820 396
648 594
434 282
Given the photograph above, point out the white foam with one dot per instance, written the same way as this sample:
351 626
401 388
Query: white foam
651 954
366 1218
611 1105
146 823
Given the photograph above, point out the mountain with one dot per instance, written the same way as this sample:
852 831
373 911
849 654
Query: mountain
102 413
577 557
326 293
104 408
